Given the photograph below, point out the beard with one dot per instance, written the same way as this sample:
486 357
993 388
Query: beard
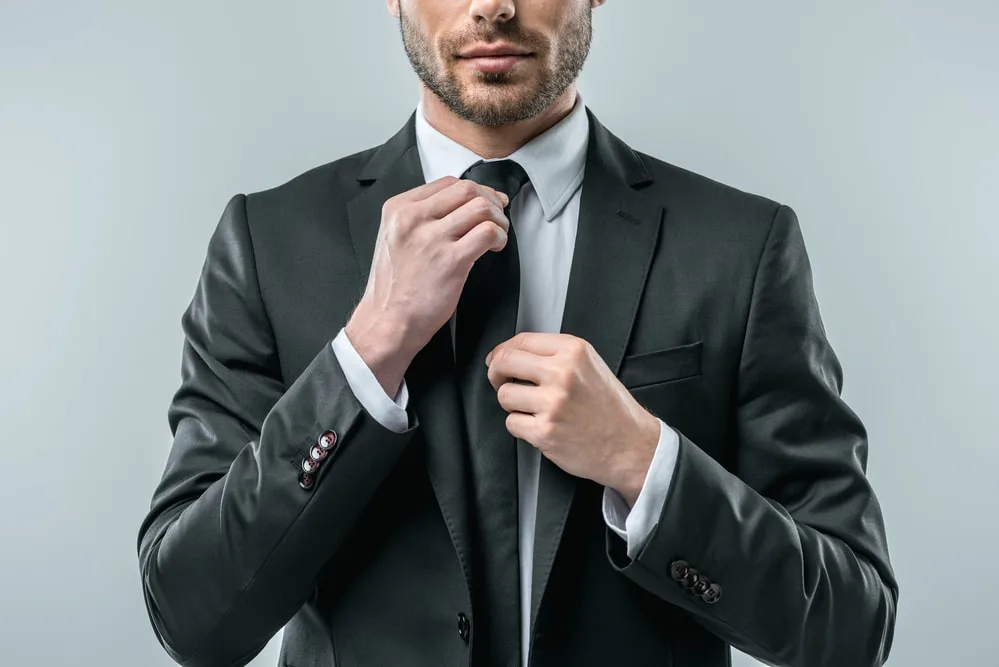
510 96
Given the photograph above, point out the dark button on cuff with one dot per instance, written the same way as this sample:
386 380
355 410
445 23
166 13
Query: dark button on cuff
463 627
318 453
701 586
306 480
678 570
310 465
713 594
692 578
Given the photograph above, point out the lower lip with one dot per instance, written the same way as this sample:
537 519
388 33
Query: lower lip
495 64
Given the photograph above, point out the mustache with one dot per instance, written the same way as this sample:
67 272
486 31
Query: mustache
510 31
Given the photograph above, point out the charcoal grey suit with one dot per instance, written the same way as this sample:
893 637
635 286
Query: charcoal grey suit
697 295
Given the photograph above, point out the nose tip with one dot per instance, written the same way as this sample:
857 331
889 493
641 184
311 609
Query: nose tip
492 11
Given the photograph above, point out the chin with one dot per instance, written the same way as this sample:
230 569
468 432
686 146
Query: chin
494 98
488 86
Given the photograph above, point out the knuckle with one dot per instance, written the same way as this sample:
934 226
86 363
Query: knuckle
403 222
578 349
482 205
558 400
393 208
388 207
396 236
503 355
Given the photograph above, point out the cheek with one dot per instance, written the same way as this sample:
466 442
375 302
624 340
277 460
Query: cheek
425 18
438 16
550 16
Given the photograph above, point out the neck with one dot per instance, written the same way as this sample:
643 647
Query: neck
493 141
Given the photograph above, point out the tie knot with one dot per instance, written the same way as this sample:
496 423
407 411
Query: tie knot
506 176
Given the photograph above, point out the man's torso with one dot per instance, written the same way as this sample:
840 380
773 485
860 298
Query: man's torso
661 280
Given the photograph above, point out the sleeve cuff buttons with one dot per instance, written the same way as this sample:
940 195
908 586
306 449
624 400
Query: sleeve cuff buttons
695 582
325 445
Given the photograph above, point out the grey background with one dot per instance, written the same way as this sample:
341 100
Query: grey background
126 126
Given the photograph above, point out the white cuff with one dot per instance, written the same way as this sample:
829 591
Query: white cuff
635 525
390 413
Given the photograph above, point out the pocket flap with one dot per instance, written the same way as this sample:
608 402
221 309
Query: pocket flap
672 363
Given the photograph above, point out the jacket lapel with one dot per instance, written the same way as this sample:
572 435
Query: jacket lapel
394 168
615 243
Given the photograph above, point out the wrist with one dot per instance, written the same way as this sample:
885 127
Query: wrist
381 342
636 460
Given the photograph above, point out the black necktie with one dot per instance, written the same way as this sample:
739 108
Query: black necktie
487 316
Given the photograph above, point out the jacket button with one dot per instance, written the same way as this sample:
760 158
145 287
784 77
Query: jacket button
318 453
678 570
701 586
327 440
692 578
463 627
306 480
713 594
310 465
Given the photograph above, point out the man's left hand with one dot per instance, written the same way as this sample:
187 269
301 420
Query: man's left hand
574 411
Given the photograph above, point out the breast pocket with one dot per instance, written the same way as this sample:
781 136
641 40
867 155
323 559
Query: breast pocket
648 369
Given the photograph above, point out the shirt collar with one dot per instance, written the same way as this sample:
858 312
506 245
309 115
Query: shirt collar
553 160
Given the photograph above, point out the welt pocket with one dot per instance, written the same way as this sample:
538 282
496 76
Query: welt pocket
672 363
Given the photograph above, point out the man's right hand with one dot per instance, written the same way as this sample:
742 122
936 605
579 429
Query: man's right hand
428 240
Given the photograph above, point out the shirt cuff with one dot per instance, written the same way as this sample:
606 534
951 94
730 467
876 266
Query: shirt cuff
636 524
389 412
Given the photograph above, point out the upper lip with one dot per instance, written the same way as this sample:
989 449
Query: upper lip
492 50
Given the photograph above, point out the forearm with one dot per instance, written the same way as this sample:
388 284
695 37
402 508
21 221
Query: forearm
225 566
383 343
634 521
791 593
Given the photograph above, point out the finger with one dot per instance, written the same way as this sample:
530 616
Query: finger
513 364
470 214
538 343
522 425
427 190
446 200
483 237
518 397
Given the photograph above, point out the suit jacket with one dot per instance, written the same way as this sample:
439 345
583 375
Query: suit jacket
698 297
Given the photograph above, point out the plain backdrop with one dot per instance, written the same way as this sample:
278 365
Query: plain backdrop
126 126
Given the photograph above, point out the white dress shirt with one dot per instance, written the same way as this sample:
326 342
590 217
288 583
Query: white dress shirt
545 216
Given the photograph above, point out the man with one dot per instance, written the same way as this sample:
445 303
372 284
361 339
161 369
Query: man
506 391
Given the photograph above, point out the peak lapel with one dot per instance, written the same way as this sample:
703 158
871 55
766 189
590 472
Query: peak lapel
395 168
616 240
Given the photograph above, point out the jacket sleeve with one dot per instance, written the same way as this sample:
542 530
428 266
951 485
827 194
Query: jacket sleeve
785 557
237 533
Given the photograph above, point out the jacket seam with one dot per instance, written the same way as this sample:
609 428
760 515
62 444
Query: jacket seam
752 300
259 289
